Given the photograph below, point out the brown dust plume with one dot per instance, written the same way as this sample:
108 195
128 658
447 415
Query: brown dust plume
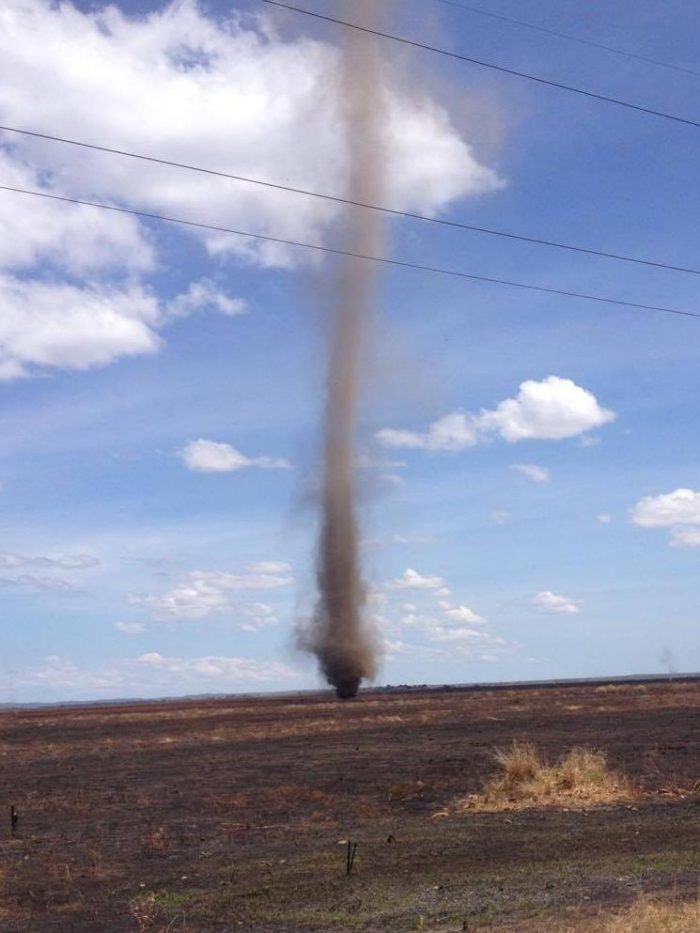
340 635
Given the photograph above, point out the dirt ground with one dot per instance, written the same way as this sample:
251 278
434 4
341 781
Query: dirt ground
229 815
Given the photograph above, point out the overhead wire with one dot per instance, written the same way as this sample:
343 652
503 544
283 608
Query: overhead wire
649 111
411 215
479 11
384 260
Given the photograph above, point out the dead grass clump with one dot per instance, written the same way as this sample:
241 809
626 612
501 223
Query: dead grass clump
145 911
157 842
645 917
579 778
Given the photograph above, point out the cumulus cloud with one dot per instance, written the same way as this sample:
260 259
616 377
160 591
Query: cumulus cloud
67 562
201 594
228 94
59 672
552 409
201 295
461 613
679 511
36 582
256 616
554 602
685 536
220 93
269 566
533 472
130 628
154 669
400 539
452 432
603 518
53 324
451 639
439 628
681 507
45 324
213 457
412 580
217 667
77 238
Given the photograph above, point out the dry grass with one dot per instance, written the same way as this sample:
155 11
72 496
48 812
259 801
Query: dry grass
145 911
645 917
157 842
581 778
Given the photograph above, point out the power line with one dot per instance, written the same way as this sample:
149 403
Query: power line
473 228
384 260
475 61
565 35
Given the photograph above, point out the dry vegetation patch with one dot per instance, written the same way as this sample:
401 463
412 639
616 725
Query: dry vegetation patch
645 917
580 778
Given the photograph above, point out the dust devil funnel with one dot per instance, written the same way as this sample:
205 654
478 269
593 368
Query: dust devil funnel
340 636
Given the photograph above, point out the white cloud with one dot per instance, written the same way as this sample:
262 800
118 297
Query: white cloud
155 670
457 639
60 673
130 628
216 93
451 432
461 613
35 582
201 594
604 518
400 539
204 294
681 507
213 457
440 629
216 667
78 238
553 602
685 536
457 633
269 566
552 409
67 562
679 511
365 462
228 94
533 472
412 580
500 516
47 324
257 616
53 324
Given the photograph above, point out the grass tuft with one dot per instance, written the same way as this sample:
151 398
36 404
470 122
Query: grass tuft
645 917
144 910
579 778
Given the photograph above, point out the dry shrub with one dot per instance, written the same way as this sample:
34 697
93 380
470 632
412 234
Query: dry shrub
645 917
157 842
622 688
407 790
579 778
295 794
144 910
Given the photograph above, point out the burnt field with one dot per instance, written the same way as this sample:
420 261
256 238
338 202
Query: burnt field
234 814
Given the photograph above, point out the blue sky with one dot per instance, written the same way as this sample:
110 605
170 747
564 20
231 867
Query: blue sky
554 533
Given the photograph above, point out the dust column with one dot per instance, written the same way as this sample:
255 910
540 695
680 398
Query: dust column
341 637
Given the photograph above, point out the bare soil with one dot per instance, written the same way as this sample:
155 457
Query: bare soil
229 815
